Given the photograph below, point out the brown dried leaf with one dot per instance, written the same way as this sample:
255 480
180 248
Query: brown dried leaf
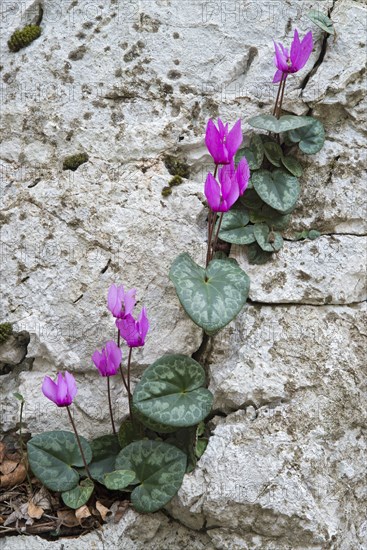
43 499
16 476
67 518
105 512
82 513
8 466
34 511
19 513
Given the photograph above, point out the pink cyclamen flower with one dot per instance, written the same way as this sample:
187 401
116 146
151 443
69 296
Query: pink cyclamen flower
119 302
61 392
232 184
108 360
134 332
295 60
223 144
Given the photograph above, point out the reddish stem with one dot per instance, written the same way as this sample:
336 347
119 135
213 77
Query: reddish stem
110 404
78 441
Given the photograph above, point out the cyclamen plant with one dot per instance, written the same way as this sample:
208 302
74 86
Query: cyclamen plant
165 434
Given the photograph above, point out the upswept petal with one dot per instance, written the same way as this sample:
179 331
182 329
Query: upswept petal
143 324
243 175
295 48
213 142
280 57
212 192
71 385
128 331
278 76
62 391
112 299
234 140
113 353
49 389
130 301
222 128
305 50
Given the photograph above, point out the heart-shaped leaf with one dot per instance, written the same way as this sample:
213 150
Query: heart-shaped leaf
234 228
275 125
171 392
251 200
119 479
322 21
310 139
271 217
269 241
212 297
105 450
51 456
256 255
273 153
75 498
254 153
293 166
278 189
130 431
159 469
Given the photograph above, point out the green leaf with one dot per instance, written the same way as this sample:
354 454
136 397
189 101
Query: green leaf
271 217
273 153
200 447
51 456
322 21
233 228
185 439
254 153
75 498
119 479
159 469
212 297
256 255
310 139
283 124
171 393
314 234
277 189
293 166
269 241
105 450
251 199
130 431
19 396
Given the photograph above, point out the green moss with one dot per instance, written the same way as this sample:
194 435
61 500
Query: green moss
176 167
22 38
6 330
176 180
166 191
74 161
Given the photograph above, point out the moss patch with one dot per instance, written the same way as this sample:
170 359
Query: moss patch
166 191
24 37
74 161
176 167
176 180
6 330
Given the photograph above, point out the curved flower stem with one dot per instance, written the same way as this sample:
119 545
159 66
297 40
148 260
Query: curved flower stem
217 233
280 96
110 404
128 382
121 371
78 441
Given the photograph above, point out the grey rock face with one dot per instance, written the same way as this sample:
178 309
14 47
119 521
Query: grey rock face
129 83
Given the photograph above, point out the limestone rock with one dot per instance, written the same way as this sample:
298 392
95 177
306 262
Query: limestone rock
328 270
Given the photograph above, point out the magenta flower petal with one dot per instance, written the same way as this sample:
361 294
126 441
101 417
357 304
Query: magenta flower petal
212 192
305 50
134 332
119 302
213 141
234 139
49 389
243 175
130 301
143 323
108 360
278 76
280 57
61 392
